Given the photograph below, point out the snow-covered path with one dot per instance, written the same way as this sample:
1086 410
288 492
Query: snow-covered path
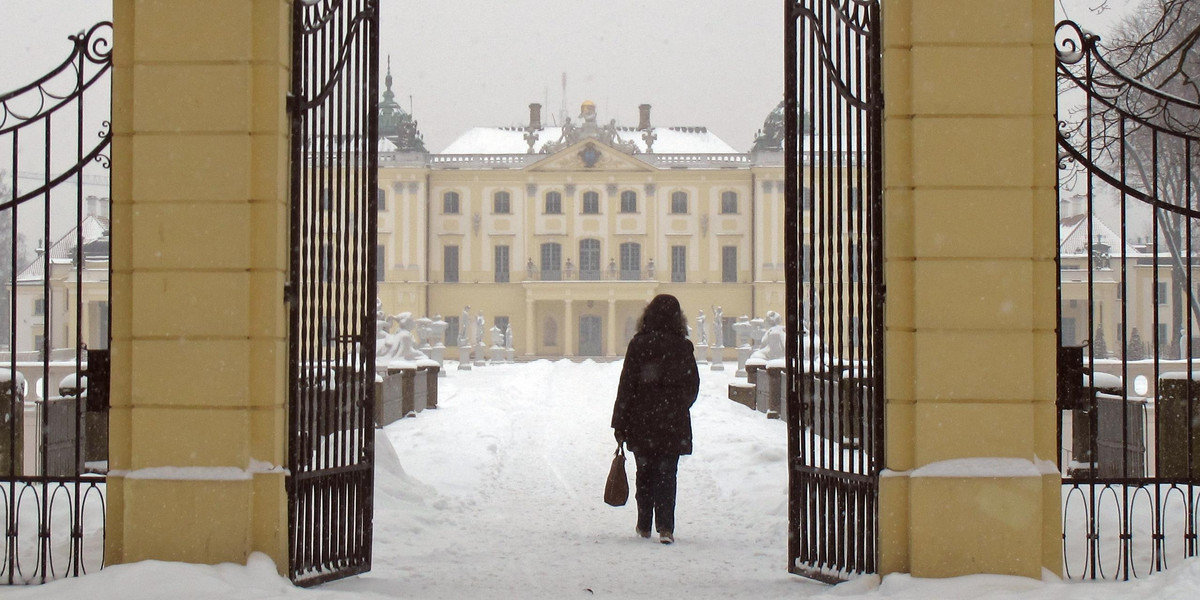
500 490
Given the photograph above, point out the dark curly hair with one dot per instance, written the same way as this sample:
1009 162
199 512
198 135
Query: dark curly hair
663 314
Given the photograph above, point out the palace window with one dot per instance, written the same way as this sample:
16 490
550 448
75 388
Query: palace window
551 261
806 265
729 264
502 266
589 260
450 203
855 263
380 200
678 264
450 264
679 203
729 203
380 262
629 201
591 203
631 261
326 264
502 203
553 203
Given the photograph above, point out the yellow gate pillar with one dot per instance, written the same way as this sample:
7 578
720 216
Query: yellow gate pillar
199 249
971 484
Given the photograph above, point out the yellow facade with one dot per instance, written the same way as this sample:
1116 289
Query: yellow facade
550 318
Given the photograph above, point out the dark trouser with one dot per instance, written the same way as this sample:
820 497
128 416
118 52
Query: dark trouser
656 491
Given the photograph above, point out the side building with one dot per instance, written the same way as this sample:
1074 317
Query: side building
565 232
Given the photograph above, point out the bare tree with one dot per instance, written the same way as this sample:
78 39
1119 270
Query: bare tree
1141 127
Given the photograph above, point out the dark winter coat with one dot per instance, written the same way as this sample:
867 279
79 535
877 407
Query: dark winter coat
659 383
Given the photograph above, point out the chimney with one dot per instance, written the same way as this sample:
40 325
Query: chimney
535 116
643 117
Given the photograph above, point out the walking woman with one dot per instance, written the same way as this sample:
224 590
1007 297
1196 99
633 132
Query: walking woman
659 383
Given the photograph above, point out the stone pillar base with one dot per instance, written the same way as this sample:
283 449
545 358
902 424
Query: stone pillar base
718 361
966 516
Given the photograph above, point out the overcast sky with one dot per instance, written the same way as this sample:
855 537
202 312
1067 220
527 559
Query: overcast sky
716 63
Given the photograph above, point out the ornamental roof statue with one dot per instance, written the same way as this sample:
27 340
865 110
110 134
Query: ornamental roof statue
589 129
395 125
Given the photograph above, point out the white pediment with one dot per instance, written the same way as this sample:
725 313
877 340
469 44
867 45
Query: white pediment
590 155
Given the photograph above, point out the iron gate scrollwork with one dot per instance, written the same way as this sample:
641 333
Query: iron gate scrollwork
54 187
1129 314
834 252
331 292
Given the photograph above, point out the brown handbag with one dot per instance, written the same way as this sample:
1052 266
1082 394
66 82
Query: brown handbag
616 490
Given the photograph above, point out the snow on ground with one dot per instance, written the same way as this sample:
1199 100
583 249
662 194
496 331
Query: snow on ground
497 494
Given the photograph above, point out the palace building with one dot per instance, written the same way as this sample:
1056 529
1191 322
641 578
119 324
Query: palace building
565 232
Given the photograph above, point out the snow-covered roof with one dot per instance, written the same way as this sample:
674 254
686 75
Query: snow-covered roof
63 250
1073 237
511 140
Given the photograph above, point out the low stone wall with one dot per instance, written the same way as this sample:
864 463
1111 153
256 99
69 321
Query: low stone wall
405 392
763 390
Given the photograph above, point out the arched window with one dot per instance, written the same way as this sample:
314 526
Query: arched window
629 201
553 203
502 203
729 203
591 203
679 203
589 260
631 261
450 203
549 332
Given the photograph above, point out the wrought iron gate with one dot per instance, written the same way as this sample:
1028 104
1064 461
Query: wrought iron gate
335 58
54 188
1129 315
834 180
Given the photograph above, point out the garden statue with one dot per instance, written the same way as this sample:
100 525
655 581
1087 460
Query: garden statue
464 326
405 347
773 340
718 327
